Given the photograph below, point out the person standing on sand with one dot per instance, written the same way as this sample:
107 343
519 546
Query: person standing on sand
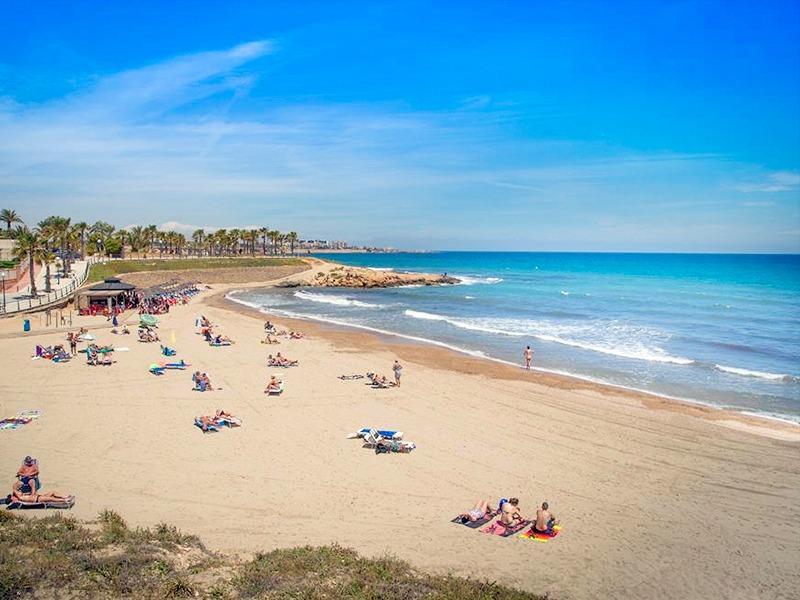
528 357
398 372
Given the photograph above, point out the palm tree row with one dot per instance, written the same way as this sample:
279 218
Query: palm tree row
58 237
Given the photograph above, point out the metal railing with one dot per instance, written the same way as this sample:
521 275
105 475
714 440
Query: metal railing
17 305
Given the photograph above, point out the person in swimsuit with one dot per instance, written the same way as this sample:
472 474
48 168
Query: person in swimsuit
528 357
478 512
509 513
22 493
28 473
398 372
545 520
273 385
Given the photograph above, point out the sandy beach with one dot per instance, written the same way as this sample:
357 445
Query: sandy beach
657 499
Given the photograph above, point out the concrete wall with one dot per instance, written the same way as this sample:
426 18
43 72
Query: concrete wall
6 249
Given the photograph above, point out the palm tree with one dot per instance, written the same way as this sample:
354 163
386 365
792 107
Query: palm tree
81 229
197 237
292 237
28 246
46 257
9 217
263 233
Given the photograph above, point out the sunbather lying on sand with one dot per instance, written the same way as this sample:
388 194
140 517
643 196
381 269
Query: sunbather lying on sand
280 361
19 494
274 385
222 340
270 339
478 512
295 335
379 380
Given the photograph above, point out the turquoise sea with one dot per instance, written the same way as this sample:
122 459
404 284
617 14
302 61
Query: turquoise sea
716 329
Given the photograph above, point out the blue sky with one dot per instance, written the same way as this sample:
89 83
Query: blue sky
611 126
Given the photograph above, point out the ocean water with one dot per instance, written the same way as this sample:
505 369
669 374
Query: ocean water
716 329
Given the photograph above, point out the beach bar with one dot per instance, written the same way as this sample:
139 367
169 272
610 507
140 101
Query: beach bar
108 293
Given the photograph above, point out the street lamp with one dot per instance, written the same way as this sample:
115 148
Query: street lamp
3 275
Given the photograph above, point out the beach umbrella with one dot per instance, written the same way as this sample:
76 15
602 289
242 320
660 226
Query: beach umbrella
148 320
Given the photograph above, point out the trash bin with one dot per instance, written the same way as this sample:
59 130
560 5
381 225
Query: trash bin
26 325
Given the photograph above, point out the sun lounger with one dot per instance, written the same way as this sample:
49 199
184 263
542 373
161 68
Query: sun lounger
372 439
384 433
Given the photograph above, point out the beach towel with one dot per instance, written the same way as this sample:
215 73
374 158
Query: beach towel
542 538
22 418
209 428
16 504
460 520
499 528
178 365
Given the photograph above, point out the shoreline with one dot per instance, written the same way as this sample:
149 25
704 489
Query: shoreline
464 361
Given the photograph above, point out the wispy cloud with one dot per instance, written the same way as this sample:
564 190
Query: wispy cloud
779 181
191 140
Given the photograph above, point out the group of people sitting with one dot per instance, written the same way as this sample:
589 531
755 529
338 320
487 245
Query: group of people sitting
201 382
511 519
280 361
207 331
25 489
55 353
98 356
147 334
220 419
272 334
379 381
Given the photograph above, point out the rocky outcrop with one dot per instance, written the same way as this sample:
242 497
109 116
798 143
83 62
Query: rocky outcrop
366 278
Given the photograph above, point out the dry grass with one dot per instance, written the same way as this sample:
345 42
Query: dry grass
59 557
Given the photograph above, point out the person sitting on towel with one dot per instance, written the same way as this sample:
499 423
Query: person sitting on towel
509 513
19 493
478 512
274 385
222 339
28 472
545 520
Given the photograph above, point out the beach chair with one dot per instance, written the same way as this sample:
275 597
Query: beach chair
372 439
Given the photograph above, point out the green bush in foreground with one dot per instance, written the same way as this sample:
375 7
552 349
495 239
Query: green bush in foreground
59 557
103 271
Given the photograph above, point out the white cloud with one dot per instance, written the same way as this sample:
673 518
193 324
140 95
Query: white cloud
778 181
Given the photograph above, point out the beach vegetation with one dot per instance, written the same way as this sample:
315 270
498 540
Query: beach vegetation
61 557
101 271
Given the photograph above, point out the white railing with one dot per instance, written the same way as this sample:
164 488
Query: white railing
14 305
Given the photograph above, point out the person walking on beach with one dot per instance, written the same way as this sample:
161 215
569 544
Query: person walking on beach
528 357
398 371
